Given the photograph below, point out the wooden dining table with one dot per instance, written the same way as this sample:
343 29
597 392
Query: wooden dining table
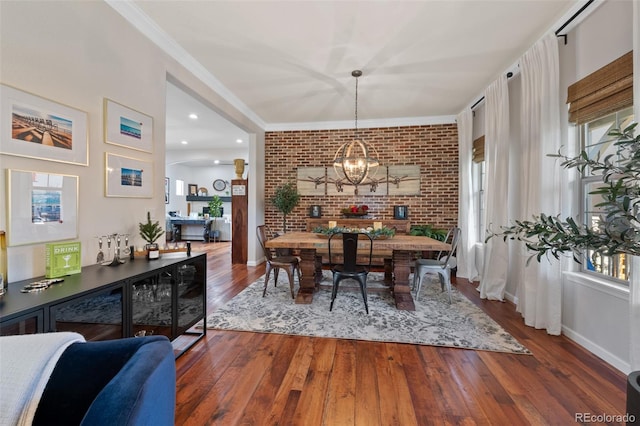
403 249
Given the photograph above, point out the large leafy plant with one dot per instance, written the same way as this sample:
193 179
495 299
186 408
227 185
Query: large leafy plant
215 210
618 230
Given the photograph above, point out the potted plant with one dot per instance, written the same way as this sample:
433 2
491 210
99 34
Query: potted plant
428 231
285 199
215 211
150 232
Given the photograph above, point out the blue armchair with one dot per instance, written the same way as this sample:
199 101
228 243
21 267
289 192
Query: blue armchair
117 382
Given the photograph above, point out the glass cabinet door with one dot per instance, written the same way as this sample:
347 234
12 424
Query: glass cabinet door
24 324
96 317
151 301
191 294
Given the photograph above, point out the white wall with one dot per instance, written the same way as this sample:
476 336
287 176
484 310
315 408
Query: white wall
77 53
203 177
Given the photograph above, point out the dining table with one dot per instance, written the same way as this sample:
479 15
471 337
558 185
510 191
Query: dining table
402 247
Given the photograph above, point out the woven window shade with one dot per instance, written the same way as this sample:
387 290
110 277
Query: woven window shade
602 92
478 150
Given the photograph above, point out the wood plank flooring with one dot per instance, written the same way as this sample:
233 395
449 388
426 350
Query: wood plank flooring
242 378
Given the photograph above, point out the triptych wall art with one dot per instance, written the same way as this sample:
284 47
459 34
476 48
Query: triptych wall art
388 180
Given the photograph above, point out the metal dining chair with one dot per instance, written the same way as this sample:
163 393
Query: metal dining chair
290 264
440 265
349 268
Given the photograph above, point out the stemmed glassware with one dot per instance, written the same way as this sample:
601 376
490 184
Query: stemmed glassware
113 258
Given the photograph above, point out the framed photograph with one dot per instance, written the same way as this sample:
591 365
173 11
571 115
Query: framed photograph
128 177
42 207
35 127
193 189
126 127
315 211
167 187
400 212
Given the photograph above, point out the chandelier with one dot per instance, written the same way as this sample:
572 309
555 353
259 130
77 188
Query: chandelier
356 160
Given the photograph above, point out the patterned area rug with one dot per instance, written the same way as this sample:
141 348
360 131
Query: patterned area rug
434 322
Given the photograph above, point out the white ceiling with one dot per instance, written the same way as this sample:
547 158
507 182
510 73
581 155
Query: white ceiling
209 131
284 62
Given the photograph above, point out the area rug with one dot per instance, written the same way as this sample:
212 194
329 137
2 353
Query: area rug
434 322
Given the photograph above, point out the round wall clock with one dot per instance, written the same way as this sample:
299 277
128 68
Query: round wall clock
219 185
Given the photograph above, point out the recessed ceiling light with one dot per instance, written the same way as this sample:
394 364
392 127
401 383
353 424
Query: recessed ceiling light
193 116
184 142
239 140
216 161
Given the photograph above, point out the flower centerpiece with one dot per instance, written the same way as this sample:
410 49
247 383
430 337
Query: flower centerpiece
354 210
377 234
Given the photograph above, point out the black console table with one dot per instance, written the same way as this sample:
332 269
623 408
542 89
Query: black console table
165 296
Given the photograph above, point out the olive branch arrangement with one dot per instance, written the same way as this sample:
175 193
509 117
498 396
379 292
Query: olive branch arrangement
618 230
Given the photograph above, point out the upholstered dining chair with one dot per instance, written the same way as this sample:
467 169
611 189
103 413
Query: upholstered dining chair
290 264
349 268
441 265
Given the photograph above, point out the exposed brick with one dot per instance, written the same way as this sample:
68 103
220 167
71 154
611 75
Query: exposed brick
434 148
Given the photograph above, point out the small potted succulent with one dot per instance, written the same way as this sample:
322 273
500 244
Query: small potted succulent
150 232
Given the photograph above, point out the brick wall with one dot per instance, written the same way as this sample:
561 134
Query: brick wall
434 148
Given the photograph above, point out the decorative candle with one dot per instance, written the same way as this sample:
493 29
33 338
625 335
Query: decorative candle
377 225
332 224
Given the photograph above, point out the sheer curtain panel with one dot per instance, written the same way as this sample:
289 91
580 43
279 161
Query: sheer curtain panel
494 270
467 212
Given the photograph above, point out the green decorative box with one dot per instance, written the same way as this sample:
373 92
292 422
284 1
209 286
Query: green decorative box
62 259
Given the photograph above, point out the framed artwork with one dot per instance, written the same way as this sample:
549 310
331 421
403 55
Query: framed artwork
42 207
128 177
167 188
193 189
315 211
35 127
126 127
400 212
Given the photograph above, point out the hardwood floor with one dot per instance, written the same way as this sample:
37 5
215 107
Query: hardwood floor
242 378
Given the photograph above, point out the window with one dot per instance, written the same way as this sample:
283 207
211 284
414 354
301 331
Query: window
179 187
479 181
596 142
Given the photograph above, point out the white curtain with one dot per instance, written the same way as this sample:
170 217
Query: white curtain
539 290
494 270
634 282
467 212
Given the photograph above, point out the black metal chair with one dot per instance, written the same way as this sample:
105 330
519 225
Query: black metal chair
275 262
349 268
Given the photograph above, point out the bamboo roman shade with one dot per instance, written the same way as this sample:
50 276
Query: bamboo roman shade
602 92
478 150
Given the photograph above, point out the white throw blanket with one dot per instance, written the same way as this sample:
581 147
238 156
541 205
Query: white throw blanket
26 363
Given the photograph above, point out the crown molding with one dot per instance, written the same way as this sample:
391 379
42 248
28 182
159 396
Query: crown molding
363 124
157 35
